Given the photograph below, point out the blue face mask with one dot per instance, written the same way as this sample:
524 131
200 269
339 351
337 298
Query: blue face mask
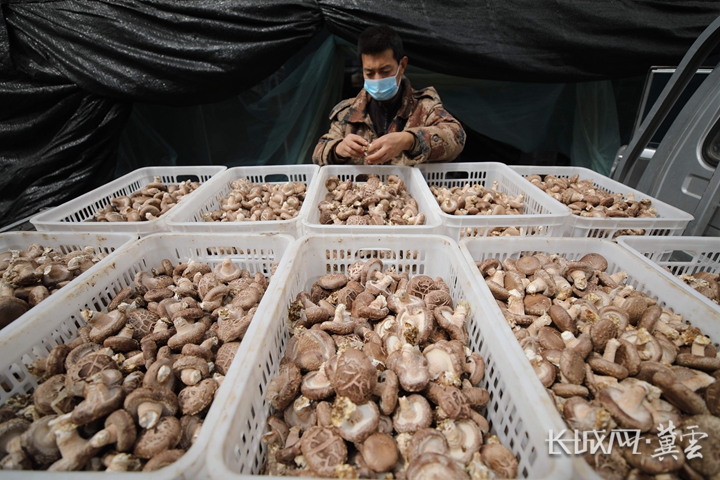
384 88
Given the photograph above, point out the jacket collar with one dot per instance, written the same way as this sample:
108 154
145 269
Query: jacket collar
359 110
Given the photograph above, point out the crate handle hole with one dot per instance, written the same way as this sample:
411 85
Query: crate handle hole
184 178
277 178
456 175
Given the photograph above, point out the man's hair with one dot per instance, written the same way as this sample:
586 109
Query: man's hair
377 39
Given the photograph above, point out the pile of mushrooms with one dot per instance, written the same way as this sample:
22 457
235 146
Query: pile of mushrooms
370 203
377 380
30 276
586 200
611 357
477 200
705 283
145 204
251 202
131 391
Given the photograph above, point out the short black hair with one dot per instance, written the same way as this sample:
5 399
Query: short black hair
377 39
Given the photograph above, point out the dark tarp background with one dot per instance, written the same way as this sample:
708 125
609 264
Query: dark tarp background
70 70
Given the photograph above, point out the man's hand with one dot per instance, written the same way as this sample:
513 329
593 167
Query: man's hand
388 147
352 146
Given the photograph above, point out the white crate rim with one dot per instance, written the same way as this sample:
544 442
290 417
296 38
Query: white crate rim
14 240
191 464
639 245
217 451
413 180
669 217
639 272
182 220
51 220
552 219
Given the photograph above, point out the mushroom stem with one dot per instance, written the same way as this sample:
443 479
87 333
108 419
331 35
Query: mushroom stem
579 279
149 414
569 339
540 322
190 376
104 437
699 344
610 350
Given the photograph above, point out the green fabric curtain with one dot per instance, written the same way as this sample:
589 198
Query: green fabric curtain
279 120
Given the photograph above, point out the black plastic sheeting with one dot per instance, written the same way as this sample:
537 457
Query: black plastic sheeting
70 69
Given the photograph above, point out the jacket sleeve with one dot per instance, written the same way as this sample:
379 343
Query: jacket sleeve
324 153
440 139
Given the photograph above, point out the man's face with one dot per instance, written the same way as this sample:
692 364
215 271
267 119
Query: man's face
382 65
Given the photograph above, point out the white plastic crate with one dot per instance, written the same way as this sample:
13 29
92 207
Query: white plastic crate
72 216
669 221
515 413
56 321
189 218
541 217
641 275
66 242
682 255
414 183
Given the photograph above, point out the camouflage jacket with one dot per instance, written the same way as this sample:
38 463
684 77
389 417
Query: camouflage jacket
439 137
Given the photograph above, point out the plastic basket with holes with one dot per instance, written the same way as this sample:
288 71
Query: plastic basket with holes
190 218
641 275
541 215
674 256
56 321
66 242
76 215
515 414
669 221
414 183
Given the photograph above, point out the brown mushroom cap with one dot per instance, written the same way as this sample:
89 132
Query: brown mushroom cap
225 355
380 452
316 386
601 332
166 401
707 465
196 398
310 349
435 466
163 459
353 422
282 389
10 429
164 436
537 304
143 321
706 364
119 429
572 366
528 264
427 440
387 390
649 462
413 412
46 394
604 367
102 396
332 281
569 390
628 356
596 260
410 366
500 460
562 319
323 450
550 339
678 394
39 442
11 308
712 398
625 409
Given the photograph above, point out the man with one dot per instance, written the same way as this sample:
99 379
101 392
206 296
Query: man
389 122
